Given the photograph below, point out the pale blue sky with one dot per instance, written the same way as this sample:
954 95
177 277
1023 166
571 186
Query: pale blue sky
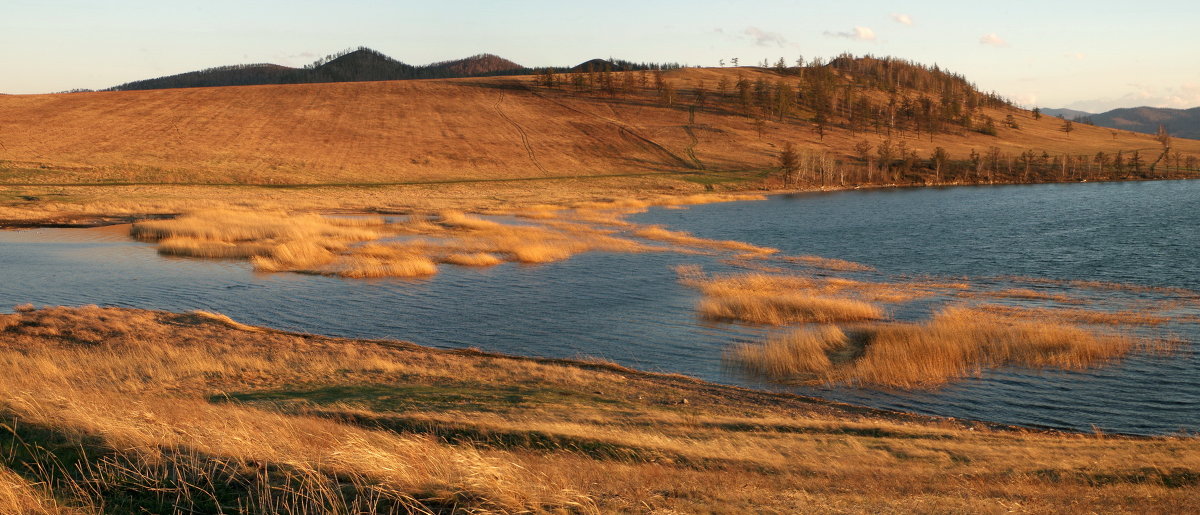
1091 55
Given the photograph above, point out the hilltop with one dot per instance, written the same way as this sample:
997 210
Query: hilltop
853 121
358 65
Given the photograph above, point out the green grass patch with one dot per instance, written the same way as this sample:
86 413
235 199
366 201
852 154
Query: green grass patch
727 177
399 398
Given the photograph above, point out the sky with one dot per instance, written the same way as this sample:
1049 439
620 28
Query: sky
1088 55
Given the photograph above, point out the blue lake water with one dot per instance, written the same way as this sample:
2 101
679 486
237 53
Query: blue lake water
630 309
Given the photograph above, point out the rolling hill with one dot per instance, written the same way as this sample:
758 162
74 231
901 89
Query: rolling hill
357 65
471 143
1183 123
362 64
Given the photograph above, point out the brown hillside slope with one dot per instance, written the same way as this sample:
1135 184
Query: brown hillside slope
405 131
435 131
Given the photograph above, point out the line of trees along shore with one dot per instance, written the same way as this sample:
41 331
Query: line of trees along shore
893 99
894 163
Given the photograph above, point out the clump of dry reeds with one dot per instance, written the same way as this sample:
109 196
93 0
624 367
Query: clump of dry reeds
746 285
840 265
19 496
1079 315
662 234
957 342
774 299
277 241
781 309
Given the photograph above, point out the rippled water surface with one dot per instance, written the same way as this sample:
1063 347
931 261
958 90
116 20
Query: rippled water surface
629 308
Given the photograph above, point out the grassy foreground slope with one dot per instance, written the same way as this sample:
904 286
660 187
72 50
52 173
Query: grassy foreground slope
144 146
123 411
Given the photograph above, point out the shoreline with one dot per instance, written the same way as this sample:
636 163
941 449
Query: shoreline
151 406
84 220
752 396
111 221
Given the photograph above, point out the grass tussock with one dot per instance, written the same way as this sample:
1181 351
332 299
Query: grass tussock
20 496
1025 294
839 265
757 298
782 309
659 233
956 343
1082 316
472 259
773 283
112 410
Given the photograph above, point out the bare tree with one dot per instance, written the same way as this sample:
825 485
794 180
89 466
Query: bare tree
789 163
863 150
1164 139
940 157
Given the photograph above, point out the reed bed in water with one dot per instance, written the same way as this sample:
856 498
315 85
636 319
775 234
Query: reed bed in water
957 342
776 299
1083 316
785 308
762 284
840 265
276 241
662 234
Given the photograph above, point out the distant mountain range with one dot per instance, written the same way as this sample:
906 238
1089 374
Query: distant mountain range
1184 123
363 64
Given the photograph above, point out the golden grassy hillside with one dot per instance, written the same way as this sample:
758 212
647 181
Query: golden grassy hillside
483 129
122 411
435 130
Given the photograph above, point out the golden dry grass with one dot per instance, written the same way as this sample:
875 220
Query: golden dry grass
659 233
188 412
185 148
784 308
778 299
1083 316
413 246
829 263
19 496
957 342
462 129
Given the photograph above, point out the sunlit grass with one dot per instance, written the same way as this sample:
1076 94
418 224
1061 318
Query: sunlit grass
955 343
127 410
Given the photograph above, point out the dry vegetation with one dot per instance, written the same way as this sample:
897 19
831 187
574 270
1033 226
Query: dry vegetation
119 411
414 245
466 144
960 340
776 299
123 411
956 343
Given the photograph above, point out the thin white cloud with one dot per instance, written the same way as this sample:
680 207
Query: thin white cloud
765 38
993 40
1078 56
1027 99
1183 96
902 19
859 33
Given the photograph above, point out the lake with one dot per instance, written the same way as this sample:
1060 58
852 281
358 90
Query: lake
630 309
